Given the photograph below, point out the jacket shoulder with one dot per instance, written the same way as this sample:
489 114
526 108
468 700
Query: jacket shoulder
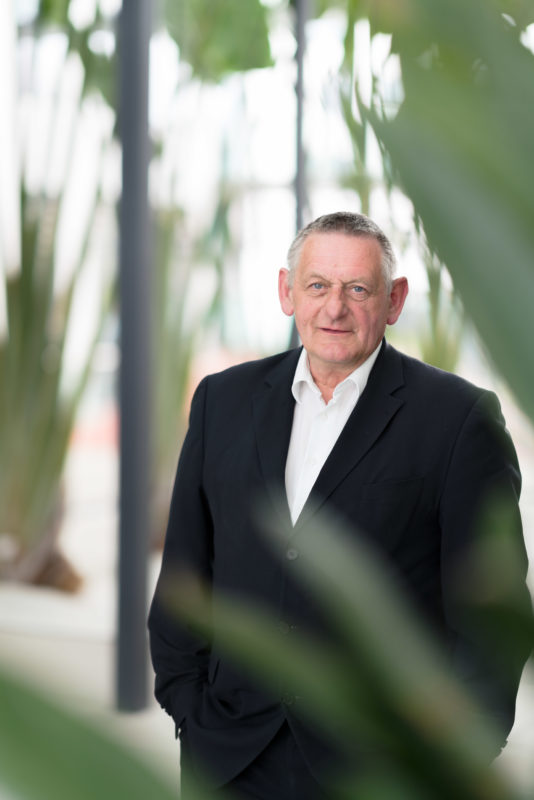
429 380
253 373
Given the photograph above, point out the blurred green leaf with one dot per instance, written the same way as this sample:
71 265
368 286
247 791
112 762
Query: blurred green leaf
440 341
53 12
348 579
253 639
174 338
521 11
100 69
46 753
219 38
36 414
38 403
461 148
381 688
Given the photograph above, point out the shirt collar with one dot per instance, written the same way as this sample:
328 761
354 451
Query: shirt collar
357 380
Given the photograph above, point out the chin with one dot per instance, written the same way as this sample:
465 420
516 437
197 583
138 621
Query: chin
341 359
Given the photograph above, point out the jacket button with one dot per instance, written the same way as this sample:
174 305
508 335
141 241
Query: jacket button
284 627
292 554
288 699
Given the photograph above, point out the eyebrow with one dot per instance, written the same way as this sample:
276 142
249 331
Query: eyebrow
316 276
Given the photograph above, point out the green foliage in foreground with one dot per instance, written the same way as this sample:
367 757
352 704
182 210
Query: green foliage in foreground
461 148
381 683
382 689
47 753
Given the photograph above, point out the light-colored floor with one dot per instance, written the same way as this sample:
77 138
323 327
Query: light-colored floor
65 643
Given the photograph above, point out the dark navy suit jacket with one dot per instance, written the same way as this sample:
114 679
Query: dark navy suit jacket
420 455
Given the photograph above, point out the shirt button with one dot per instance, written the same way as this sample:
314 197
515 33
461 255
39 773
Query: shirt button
292 554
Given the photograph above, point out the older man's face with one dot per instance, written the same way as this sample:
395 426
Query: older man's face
340 301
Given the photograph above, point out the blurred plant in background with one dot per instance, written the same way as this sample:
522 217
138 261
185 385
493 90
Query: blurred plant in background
192 268
55 264
369 66
441 340
219 40
460 145
172 347
41 389
88 33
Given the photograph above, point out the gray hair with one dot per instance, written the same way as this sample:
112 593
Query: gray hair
352 225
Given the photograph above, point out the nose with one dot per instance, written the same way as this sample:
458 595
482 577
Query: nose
335 302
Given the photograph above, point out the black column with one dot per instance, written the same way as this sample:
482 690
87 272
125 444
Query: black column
302 14
301 195
134 34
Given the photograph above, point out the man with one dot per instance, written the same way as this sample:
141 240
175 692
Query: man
400 451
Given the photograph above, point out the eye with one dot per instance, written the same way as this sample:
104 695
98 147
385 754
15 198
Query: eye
359 292
317 285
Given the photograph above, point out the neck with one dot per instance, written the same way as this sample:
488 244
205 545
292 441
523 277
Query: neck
327 382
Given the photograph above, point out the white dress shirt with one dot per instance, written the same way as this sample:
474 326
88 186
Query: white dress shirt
317 425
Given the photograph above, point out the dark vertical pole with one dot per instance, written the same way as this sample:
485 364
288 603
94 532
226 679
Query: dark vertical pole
301 9
134 34
301 12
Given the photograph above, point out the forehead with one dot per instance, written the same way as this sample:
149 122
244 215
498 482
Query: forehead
341 255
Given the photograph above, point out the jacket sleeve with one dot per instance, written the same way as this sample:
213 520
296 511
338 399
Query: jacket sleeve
179 656
484 563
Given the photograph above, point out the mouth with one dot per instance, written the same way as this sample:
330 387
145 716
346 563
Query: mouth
335 331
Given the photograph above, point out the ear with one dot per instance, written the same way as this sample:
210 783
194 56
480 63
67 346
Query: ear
285 293
399 291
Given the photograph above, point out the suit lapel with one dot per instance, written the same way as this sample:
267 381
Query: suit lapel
272 409
372 413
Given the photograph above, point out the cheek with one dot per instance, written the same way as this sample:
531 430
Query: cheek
304 312
373 319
